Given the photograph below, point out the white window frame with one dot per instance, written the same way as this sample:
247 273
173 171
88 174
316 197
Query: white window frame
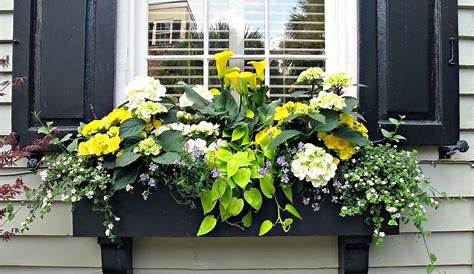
341 42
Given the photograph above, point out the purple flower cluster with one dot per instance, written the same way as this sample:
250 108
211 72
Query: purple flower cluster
146 178
215 173
153 167
265 170
283 164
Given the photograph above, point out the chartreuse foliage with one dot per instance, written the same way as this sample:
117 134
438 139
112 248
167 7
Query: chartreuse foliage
232 151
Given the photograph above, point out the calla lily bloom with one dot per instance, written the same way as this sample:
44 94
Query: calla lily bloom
234 78
259 68
221 62
248 78
226 79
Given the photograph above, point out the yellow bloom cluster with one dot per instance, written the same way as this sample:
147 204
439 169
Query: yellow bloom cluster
347 119
267 134
241 81
342 147
99 145
284 111
114 118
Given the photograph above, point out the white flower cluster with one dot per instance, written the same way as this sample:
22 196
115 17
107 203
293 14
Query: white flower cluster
200 145
184 101
143 88
328 100
146 109
202 127
314 165
309 75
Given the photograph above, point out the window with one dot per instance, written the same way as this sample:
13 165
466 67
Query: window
291 35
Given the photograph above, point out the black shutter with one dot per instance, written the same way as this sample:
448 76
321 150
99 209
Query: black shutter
408 59
66 48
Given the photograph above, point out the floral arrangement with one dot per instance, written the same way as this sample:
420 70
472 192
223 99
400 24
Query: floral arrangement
229 150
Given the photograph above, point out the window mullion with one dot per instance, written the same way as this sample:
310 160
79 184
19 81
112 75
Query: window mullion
205 60
267 39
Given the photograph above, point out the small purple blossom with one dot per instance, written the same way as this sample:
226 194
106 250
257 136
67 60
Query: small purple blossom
281 161
144 177
268 164
262 171
177 162
153 167
300 146
215 173
285 179
152 182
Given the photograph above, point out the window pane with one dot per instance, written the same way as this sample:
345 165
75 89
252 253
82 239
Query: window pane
170 72
297 27
284 72
237 25
175 27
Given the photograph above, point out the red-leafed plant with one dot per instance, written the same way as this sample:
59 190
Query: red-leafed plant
10 156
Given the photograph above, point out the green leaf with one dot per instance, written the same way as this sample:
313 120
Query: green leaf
207 201
290 208
73 145
351 135
43 130
283 137
132 127
394 121
166 158
266 112
207 225
430 268
199 102
386 133
319 117
131 141
351 103
235 206
288 192
242 177
172 140
231 105
239 132
266 184
66 138
123 177
127 158
247 219
254 198
265 227
223 154
332 120
9 208
392 222
218 188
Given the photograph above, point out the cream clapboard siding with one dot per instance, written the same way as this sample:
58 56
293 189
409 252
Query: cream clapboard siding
49 248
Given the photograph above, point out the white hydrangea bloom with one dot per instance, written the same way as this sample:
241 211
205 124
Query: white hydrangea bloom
310 74
148 108
144 88
196 145
314 165
205 93
217 144
328 100
204 127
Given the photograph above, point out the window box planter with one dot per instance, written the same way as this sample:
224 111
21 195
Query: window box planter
161 216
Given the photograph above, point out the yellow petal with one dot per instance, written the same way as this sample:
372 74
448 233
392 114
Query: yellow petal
249 78
234 78
221 62
259 68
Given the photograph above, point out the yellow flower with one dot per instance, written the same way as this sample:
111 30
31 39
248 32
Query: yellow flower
259 68
100 144
347 119
267 134
281 113
83 149
92 127
234 78
221 62
248 78
112 145
113 131
342 147
215 91
116 117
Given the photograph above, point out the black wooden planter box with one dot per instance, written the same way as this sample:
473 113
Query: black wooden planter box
161 216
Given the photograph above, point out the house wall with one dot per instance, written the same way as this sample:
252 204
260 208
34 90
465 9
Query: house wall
49 248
